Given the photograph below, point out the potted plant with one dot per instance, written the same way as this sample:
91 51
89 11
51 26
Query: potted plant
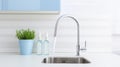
26 40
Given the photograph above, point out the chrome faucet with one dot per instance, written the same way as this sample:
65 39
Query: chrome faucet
78 38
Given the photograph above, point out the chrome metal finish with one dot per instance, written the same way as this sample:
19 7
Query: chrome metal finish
63 60
78 38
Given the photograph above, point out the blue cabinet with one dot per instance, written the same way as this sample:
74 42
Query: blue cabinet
30 5
4 4
24 5
50 5
0 4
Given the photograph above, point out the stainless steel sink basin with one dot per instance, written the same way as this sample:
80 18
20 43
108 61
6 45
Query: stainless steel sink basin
62 60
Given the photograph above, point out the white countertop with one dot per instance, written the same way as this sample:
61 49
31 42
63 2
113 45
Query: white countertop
96 59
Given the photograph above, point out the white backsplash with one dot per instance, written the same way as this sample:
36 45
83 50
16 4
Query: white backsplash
94 17
116 26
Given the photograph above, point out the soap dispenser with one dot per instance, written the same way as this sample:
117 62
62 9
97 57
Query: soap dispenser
39 50
46 45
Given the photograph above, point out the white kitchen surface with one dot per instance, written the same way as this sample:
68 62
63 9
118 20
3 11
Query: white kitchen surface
96 59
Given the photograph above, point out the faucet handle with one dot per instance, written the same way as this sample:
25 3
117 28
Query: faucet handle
84 47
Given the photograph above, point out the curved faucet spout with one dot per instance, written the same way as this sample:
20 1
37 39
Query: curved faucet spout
78 36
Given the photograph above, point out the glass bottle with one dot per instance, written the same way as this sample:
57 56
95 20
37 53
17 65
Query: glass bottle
46 45
39 50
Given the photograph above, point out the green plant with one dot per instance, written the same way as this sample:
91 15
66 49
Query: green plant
25 34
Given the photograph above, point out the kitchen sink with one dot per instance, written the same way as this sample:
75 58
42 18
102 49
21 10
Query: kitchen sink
68 60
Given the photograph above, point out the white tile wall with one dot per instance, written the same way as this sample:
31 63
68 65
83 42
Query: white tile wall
94 17
116 26
116 17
